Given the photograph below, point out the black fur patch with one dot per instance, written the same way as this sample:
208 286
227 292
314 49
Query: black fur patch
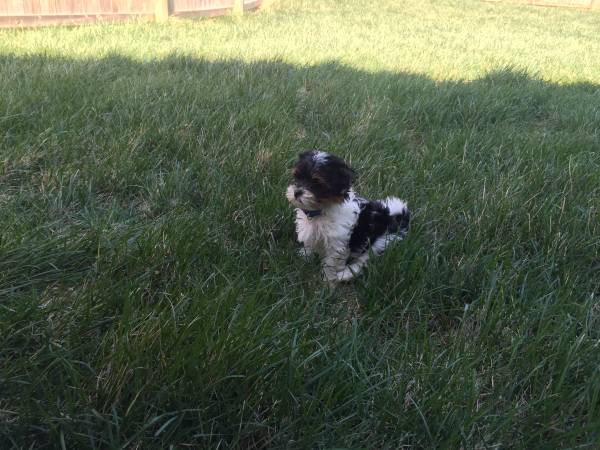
330 179
374 221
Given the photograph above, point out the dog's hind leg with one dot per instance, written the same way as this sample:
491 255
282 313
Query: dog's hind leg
377 248
353 269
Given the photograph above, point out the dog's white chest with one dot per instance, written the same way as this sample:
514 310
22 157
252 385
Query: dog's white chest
330 230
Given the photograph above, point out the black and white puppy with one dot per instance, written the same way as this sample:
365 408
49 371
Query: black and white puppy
335 223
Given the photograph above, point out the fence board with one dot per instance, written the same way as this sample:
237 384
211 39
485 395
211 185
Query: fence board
44 7
47 12
15 7
201 5
91 7
251 4
64 7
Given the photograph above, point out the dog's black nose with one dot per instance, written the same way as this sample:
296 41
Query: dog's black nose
298 193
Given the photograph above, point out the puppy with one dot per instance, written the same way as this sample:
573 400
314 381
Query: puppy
335 223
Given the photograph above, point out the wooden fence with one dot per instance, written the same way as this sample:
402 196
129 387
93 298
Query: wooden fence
15 13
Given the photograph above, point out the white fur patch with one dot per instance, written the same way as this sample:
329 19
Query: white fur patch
395 205
330 231
320 157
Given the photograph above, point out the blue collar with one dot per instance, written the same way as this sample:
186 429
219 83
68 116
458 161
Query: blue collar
311 214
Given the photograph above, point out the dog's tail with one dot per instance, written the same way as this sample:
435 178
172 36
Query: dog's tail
399 215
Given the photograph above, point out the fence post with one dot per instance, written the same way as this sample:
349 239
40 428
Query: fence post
161 10
238 7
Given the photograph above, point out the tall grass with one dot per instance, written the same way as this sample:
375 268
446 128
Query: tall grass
150 294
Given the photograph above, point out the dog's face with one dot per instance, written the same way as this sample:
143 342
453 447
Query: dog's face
320 179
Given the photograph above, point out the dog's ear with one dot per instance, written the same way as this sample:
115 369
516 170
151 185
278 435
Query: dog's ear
303 164
306 155
351 175
345 175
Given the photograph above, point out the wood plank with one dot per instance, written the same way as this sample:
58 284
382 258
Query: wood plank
44 7
175 5
220 6
63 7
161 10
28 7
105 6
251 4
62 19
77 6
58 9
146 6
73 6
202 13
15 7
36 6
91 7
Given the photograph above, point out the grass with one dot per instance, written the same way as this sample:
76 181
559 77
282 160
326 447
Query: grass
150 295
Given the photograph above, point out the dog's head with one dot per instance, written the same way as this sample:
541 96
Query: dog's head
320 179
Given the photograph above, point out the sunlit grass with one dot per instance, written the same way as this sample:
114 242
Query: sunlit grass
150 293
444 40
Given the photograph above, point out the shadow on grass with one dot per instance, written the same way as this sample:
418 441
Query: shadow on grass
143 215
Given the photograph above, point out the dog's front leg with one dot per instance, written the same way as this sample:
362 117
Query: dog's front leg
334 262
306 251
353 269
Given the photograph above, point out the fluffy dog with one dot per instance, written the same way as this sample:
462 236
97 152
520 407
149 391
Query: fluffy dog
335 223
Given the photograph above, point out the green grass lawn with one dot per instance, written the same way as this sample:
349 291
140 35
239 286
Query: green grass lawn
150 291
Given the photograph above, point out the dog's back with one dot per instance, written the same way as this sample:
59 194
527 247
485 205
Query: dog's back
376 219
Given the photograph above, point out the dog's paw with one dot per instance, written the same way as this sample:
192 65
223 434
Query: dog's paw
330 276
345 275
334 278
305 254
